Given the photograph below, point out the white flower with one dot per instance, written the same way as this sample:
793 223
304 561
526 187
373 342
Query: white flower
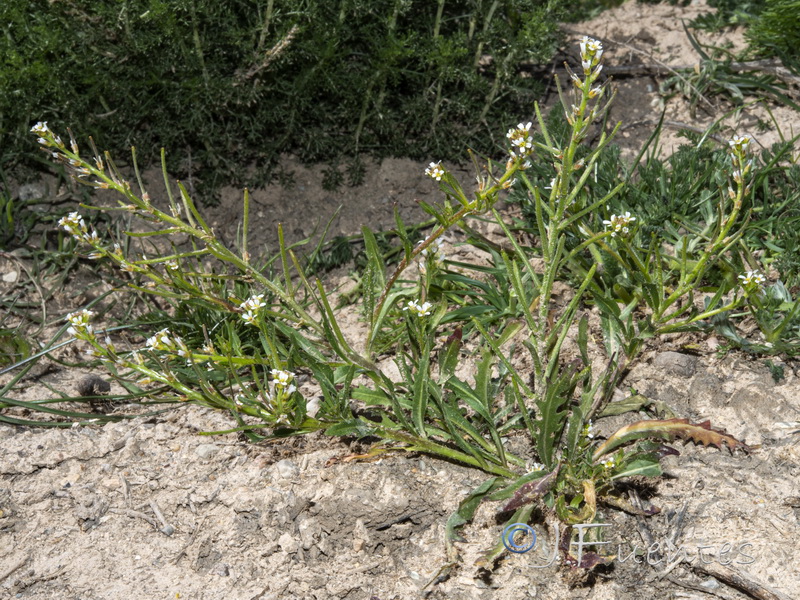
619 223
251 307
74 224
167 342
40 128
591 47
421 310
79 324
608 461
155 341
43 131
752 278
128 267
740 142
434 251
589 430
435 171
46 137
283 379
521 140
591 51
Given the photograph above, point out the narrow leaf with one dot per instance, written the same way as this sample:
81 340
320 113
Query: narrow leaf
531 492
669 429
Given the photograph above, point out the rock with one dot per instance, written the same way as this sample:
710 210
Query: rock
30 191
288 544
92 385
286 469
89 507
312 408
310 532
205 451
676 363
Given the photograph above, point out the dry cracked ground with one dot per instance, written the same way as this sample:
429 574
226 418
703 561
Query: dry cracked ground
151 509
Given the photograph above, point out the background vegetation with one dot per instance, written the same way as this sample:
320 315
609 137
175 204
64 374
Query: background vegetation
225 85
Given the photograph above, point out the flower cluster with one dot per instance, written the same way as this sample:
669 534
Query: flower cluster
588 430
619 223
591 53
740 143
434 251
435 171
251 306
421 310
609 461
53 145
521 141
166 342
46 137
433 254
282 380
752 279
739 148
270 404
79 324
74 225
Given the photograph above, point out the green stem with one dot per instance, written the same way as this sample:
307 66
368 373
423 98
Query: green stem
417 444
438 23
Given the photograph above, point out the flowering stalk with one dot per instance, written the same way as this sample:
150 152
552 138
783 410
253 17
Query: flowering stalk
741 167
552 217
485 198
107 177
104 174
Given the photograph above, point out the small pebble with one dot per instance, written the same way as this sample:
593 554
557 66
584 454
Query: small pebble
676 363
206 450
92 385
286 469
288 544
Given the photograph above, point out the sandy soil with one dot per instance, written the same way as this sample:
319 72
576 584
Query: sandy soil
150 509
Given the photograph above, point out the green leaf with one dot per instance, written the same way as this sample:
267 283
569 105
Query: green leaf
355 427
465 513
371 397
635 403
647 467
449 355
420 389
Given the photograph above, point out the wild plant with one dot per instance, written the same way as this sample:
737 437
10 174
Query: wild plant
262 340
774 313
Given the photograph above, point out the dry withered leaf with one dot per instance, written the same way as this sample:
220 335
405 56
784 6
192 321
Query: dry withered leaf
699 433
530 492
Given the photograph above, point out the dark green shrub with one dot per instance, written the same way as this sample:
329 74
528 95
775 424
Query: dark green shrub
777 32
231 84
